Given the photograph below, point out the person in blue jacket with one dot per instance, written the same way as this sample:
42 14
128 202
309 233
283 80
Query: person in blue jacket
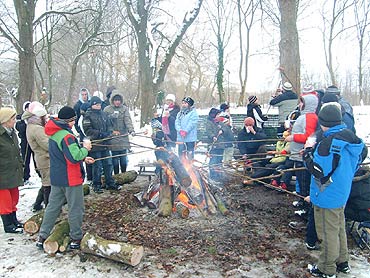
332 164
186 125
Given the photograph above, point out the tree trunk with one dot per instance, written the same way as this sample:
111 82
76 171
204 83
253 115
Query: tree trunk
117 251
289 43
56 238
126 177
33 224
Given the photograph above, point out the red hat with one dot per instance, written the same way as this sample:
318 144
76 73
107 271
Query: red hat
249 121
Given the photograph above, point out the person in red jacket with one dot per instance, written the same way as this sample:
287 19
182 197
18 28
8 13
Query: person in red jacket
66 176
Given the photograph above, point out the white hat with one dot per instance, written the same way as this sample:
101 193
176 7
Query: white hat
287 86
171 97
98 94
308 89
36 108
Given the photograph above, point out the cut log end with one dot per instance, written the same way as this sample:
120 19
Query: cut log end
51 247
31 227
137 255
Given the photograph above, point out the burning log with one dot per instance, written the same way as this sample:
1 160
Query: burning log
33 224
117 251
165 193
181 174
56 238
182 210
125 177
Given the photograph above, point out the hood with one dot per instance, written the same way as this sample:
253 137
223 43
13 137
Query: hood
80 96
54 125
26 115
310 103
116 95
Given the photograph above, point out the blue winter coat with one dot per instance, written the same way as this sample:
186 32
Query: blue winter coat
333 165
187 121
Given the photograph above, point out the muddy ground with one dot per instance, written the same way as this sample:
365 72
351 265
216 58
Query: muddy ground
254 235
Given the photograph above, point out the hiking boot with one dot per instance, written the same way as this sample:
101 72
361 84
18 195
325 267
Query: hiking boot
312 247
283 186
40 243
274 183
75 244
343 267
97 189
298 204
314 271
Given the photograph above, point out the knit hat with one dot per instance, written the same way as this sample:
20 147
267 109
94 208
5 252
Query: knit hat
252 99
249 121
26 105
171 97
329 98
224 107
95 100
36 108
213 113
287 86
308 89
67 114
188 100
117 97
332 90
330 115
6 113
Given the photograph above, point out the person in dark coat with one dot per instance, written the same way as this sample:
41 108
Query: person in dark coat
358 204
97 126
11 171
83 97
246 137
254 111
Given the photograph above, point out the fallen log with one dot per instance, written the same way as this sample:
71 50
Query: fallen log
125 177
117 251
56 238
33 224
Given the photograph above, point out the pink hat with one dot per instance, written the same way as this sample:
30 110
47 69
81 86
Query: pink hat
37 109
249 121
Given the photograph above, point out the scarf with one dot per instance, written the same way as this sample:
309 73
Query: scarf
165 120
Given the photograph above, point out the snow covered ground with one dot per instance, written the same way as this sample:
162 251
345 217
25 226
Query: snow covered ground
19 256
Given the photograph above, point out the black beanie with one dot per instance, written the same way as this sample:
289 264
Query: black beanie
329 98
213 113
188 100
95 100
330 115
67 114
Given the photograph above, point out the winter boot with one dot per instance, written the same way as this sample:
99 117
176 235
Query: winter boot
97 189
75 244
15 220
9 227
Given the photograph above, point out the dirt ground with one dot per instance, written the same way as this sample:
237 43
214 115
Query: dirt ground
255 234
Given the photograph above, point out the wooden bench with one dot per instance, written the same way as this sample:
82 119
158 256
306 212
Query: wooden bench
143 171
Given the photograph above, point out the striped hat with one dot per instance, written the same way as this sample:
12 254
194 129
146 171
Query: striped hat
252 99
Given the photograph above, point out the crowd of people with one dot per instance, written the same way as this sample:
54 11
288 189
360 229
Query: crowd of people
317 142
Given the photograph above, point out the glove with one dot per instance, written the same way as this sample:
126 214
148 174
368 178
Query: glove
132 133
183 133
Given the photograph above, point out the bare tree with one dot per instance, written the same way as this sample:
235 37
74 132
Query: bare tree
246 13
332 28
220 14
362 10
151 72
290 63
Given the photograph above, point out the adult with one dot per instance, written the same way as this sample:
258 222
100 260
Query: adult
66 176
186 125
122 127
217 136
26 151
108 95
39 143
98 126
11 171
251 140
346 105
83 97
254 111
44 97
170 111
286 102
226 118
332 164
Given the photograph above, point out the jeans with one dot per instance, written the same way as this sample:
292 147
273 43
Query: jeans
216 159
311 236
107 166
304 178
187 150
119 161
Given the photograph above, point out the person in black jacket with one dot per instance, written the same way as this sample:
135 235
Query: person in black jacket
83 97
246 137
97 126
254 111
